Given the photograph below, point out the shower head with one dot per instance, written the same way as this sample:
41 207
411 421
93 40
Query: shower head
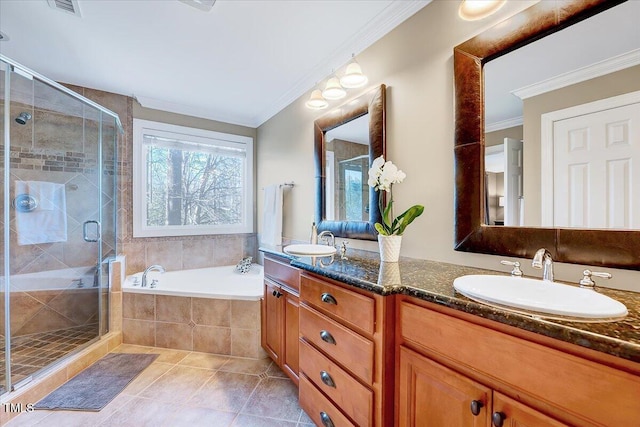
23 118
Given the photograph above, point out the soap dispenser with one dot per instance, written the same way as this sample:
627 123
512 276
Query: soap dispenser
314 234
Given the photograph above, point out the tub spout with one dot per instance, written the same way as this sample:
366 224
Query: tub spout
150 268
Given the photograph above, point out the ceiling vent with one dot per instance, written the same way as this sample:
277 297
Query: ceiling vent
203 5
68 6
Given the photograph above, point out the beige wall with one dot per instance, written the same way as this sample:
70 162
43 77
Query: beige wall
613 84
415 62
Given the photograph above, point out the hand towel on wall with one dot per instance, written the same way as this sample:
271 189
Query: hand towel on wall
47 223
272 216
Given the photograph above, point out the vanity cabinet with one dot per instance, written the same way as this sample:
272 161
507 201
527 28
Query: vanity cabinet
280 314
459 370
346 354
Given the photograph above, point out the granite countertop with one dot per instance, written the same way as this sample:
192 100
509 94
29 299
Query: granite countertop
433 281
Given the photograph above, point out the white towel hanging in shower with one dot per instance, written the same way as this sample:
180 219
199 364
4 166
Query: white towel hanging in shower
47 223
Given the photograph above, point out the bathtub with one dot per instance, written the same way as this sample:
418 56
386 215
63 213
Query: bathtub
212 310
215 282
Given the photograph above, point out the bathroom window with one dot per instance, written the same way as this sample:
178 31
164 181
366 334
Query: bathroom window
190 181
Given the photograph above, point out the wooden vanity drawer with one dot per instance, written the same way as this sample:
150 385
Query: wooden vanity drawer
282 273
317 406
554 378
348 394
341 344
351 307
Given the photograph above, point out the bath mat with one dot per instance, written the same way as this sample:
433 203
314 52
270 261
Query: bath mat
96 386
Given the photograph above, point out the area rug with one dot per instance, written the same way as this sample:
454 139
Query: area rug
96 386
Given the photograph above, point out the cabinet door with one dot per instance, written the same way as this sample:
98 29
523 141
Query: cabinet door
291 338
510 413
272 320
431 395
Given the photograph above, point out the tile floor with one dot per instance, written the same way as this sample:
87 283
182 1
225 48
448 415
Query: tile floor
30 353
183 388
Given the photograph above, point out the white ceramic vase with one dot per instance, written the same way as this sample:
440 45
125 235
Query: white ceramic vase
389 247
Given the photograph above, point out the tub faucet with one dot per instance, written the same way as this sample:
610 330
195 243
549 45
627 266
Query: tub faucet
150 268
542 259
327 237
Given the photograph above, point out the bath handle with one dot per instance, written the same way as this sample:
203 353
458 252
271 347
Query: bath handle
326 419
328 298
327 337
326 378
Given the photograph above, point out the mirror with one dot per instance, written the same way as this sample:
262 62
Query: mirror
570 98
347 140
613 248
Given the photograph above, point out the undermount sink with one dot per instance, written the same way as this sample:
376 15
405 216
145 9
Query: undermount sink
543 299
310 250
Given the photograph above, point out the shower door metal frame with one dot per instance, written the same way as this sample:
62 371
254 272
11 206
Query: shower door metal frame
12 66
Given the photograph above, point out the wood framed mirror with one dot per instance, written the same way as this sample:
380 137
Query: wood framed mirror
603 247
346 141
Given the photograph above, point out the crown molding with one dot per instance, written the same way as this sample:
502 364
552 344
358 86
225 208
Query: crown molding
598 69
504 124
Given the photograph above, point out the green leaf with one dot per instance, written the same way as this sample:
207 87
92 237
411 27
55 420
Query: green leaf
407 217
380 228
385 215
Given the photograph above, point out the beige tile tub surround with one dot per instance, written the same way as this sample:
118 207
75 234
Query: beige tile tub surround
219 326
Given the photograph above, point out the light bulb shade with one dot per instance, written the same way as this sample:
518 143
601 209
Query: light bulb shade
353 77
473 10
333 90
316 101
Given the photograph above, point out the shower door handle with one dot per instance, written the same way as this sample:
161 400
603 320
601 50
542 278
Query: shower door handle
85 231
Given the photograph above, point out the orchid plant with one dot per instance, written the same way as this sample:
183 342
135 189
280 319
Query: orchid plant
382 176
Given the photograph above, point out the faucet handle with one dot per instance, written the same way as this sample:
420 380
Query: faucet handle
587 281
516 267
343 250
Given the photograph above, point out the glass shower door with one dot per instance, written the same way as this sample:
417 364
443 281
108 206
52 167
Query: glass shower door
55 209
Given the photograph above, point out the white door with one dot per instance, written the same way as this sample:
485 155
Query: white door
512 181
593 169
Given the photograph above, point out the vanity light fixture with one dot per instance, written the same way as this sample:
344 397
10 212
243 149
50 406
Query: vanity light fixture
333 90
473 10
353 76
316 101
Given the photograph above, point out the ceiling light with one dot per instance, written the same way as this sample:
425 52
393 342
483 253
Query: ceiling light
353 77
473 10
333 90
204 5
316 101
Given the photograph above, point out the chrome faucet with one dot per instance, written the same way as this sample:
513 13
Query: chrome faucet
328 238
542 259
150 268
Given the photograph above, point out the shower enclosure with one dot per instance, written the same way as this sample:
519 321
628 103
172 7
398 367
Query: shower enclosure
58 218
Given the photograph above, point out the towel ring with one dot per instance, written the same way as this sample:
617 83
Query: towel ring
24 203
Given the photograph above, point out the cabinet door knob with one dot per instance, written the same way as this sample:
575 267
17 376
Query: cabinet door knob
278 294
326 419
327 337
498 419
326 378
328 298
274 293
476 406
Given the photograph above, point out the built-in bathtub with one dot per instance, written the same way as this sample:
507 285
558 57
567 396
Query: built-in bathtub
212 310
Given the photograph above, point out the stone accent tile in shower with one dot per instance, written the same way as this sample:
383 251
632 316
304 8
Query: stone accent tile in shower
211 312
168 254
139 306
245 314
174 335
141 332
212 339
45 319
197 253
173 309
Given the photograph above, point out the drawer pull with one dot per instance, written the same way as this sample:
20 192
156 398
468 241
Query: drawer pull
498 419
327 337
326 419
326 378
328 298
476 406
